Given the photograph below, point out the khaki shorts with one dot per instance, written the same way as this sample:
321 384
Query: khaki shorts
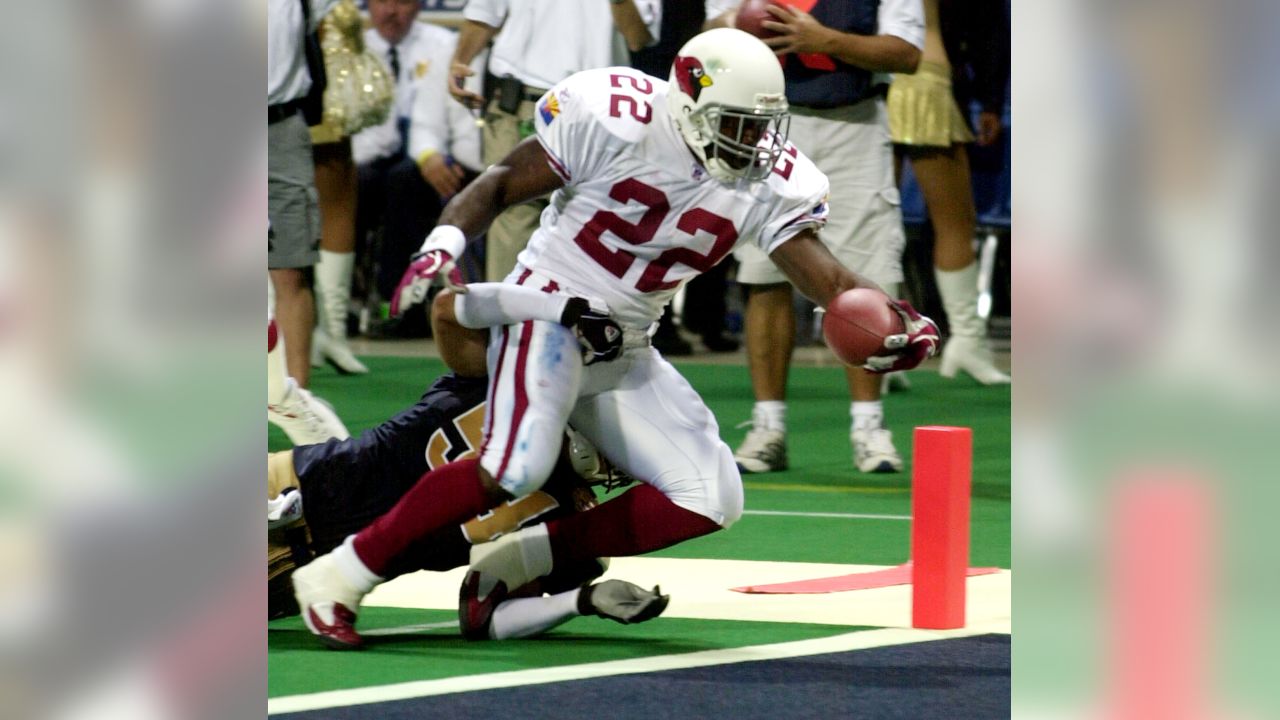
864 231
293 206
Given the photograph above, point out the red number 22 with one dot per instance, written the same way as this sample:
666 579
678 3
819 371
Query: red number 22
638 233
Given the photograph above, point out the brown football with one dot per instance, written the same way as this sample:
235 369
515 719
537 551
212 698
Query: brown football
750 16
857 322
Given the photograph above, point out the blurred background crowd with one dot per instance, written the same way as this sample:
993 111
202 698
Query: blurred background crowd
386 158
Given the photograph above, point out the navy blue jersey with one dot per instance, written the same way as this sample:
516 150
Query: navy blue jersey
346 484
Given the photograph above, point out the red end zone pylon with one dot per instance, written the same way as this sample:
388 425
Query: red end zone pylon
940 481
939 536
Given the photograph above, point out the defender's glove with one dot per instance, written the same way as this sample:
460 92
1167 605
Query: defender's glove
598 334
622 601
920 341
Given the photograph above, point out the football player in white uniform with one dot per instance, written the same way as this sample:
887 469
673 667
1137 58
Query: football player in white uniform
653 183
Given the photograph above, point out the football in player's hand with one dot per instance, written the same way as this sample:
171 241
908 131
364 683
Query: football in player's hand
857 322
750 16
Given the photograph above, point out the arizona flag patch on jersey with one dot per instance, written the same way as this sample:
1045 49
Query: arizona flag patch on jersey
549 108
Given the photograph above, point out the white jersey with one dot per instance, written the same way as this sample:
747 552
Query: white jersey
638 216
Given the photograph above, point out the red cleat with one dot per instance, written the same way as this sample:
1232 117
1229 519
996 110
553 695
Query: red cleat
480 595
328 603
340 633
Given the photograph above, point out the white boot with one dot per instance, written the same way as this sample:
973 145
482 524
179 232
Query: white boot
967 348
333 297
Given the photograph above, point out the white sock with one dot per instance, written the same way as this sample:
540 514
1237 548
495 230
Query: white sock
277 371
867 415
353 568
523 617
485 305
770 415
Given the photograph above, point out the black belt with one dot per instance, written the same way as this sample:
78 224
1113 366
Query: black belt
283 111
526 92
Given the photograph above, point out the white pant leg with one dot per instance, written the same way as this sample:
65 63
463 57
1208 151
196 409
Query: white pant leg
646 419
535 370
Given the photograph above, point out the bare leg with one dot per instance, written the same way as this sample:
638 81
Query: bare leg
771 332
336 185
943 175
296 317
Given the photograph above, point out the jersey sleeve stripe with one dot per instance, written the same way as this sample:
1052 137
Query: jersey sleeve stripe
793 228
556 164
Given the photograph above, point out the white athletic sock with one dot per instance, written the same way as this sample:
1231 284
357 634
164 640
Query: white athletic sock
770 415
487 304
523 617
867 415
353 568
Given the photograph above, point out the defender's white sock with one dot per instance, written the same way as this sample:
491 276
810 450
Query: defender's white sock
523 617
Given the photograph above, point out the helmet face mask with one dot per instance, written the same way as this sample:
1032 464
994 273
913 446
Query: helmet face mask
745 144
726 97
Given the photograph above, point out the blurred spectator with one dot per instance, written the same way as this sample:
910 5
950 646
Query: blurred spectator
444 144
834 62
293 234
392 193
540 44
358 94
966 59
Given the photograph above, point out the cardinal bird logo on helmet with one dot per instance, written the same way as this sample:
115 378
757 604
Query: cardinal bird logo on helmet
691 76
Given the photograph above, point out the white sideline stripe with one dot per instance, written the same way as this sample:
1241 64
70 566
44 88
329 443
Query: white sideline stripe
854 516
468 683
419 627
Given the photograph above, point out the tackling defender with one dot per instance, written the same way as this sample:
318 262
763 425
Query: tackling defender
653 183
347 483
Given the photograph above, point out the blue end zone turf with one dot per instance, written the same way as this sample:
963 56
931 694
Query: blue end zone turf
945 679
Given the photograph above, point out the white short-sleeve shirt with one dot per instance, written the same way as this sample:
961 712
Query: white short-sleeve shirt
543 42
287 76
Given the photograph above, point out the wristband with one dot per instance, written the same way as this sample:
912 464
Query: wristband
447 238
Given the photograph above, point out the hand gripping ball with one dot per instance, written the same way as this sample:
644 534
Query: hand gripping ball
856 323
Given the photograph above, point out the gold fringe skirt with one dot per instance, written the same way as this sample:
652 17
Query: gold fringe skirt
922 110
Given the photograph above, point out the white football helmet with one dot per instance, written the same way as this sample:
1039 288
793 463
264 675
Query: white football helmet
728 99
